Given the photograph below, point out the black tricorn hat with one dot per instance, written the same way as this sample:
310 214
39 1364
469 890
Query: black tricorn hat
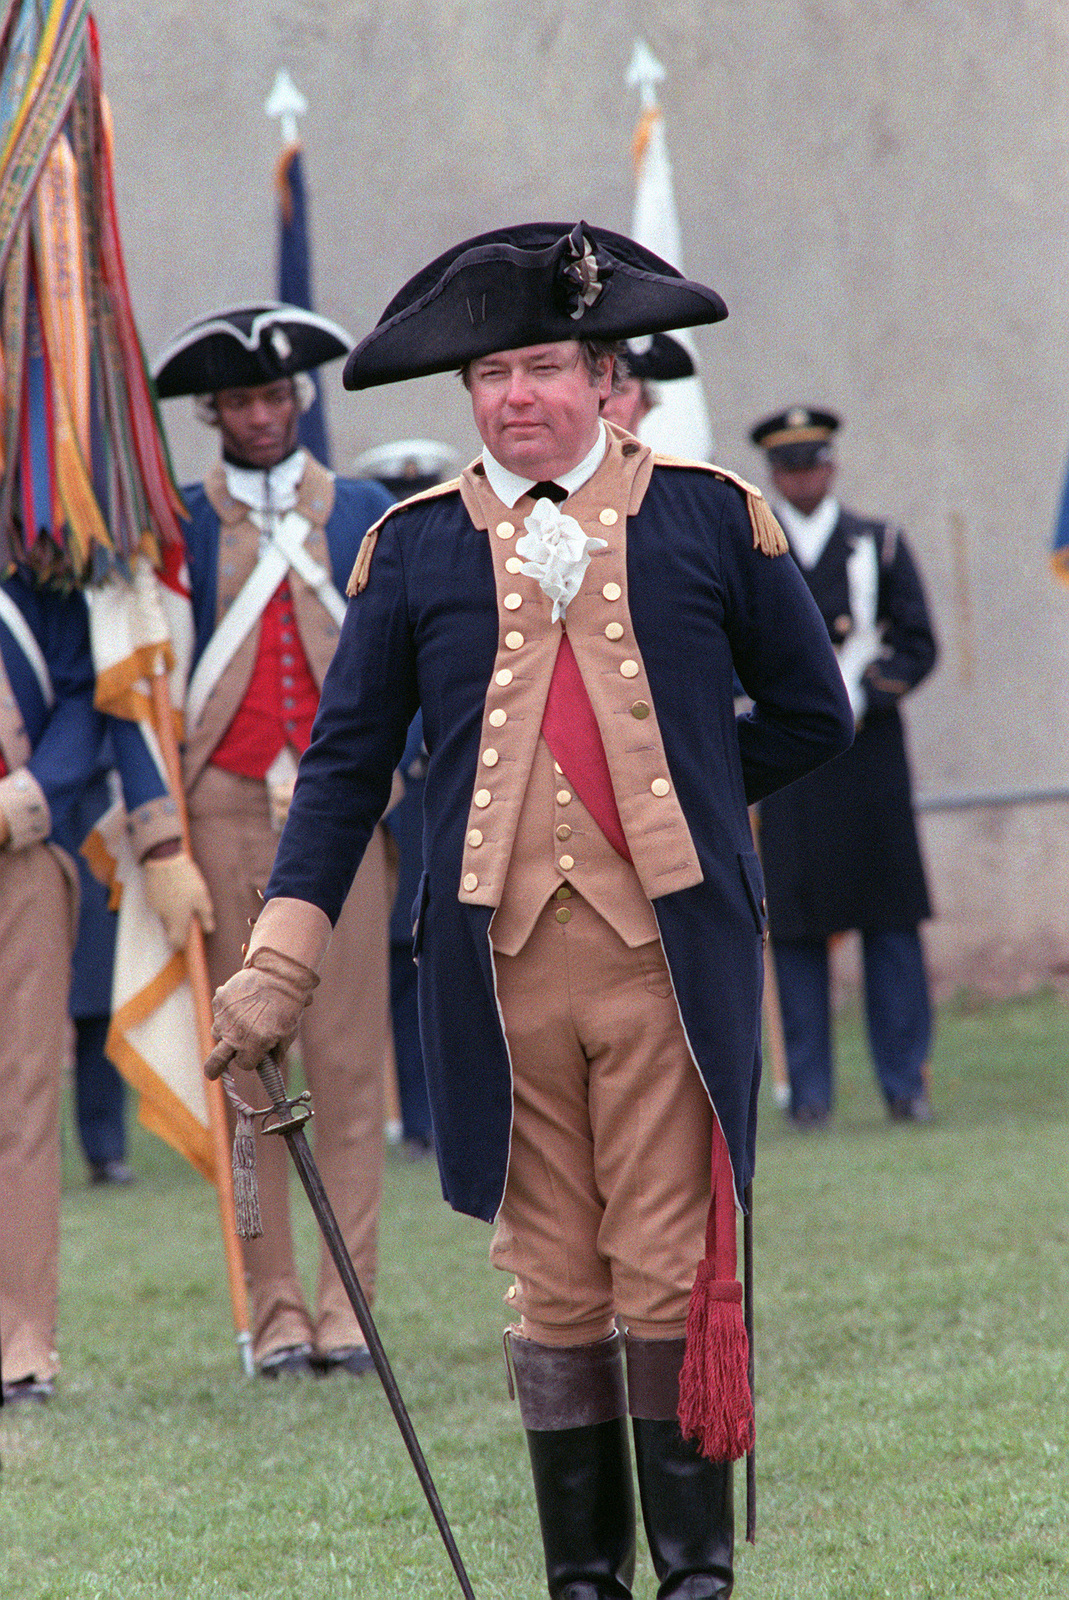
797 438
245 346
537 283
658 358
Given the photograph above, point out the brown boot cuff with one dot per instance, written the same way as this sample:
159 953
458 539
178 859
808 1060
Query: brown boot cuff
653 1377
570 1386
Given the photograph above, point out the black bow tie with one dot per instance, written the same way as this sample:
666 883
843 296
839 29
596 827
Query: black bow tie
548 491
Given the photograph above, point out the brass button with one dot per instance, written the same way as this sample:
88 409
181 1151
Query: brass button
475 837
564 893
660 786
504 530
513 564
558 769
608 518
629 669
513 602
563 797
567 863
504 677
612 591
562 914
490 757
511 1295
482 798
498 718
843 625
564 832
614 631
471 882
513 641
640 710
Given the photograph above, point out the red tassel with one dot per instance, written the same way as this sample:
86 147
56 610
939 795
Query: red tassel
715 1401
715 1404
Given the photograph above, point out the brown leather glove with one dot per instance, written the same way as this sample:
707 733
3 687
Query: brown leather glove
177 892
258 1010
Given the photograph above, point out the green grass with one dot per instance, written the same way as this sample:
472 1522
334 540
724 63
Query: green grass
912 1357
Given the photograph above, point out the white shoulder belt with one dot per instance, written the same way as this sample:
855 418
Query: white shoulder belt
285 549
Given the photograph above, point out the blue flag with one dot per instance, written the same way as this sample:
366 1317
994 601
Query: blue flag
1059 556
295 282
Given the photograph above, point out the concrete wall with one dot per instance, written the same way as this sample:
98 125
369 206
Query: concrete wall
879 192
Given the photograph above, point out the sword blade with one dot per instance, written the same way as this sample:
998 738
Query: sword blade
324 1212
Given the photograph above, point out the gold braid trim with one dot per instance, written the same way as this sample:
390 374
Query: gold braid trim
361 573
768 536
362 565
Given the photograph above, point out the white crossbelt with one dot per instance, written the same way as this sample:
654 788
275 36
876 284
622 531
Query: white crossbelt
284 549
17 625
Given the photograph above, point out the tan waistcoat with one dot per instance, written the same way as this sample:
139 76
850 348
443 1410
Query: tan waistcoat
239 540
513 856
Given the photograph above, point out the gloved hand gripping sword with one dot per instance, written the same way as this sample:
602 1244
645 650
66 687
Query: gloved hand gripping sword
265 1001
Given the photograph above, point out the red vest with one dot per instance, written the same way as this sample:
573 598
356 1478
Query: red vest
281 700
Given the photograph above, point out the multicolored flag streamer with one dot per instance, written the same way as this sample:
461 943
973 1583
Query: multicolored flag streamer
87 496
86 482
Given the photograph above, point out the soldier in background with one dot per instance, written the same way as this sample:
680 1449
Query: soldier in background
655 358
52 793
840 847
271 538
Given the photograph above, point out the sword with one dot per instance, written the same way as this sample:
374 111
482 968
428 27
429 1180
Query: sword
287 1117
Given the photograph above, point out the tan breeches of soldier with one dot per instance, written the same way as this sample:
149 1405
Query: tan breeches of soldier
607 1197
341 1043
36 927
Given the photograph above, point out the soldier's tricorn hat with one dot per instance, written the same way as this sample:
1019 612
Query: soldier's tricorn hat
536 283
658 358
244 346
797 438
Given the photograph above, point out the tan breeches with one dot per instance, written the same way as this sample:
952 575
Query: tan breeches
35 975
341 1043
609 1173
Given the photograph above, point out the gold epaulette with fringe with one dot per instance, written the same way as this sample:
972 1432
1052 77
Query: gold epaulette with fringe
768 536
358 578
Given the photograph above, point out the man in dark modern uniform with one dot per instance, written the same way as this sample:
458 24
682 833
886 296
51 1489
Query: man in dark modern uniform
840 848
569 615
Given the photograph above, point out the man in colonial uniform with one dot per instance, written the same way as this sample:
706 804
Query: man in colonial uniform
52 793
271 538
840 848
656 358
569 614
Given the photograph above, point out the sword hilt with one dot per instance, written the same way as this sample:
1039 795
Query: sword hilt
285 1114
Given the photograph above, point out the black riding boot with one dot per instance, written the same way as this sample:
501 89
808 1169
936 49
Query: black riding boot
686 1500
574 1413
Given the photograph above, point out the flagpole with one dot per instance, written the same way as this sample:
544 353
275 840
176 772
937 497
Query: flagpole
200 988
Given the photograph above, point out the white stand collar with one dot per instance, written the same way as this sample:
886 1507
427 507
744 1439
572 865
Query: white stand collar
808 535
509 487
273 490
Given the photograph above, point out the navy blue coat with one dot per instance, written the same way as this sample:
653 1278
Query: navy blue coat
423 634
65 738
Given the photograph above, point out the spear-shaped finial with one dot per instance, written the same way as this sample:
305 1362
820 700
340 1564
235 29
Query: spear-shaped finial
644 73
287 103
